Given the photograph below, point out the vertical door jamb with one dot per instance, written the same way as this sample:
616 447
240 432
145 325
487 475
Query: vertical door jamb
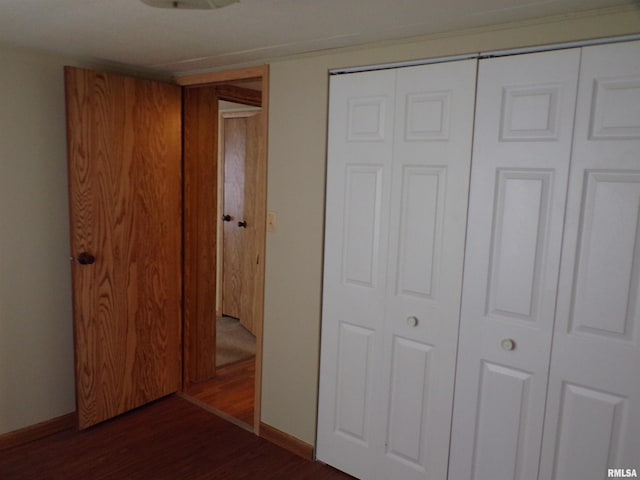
199 195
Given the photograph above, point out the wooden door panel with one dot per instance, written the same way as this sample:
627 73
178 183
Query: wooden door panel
200 153
124 151
243 142
234 206
250 278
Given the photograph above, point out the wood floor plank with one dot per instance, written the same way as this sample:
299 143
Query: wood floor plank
231 390
169 439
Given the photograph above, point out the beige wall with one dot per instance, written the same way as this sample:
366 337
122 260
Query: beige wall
36 350
297 136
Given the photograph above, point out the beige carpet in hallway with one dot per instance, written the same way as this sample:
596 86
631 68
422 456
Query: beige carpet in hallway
233 342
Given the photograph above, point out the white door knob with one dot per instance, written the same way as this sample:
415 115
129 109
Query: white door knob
412 321
508 344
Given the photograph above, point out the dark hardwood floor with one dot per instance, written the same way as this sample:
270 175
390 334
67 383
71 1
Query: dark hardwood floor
169 439
231 391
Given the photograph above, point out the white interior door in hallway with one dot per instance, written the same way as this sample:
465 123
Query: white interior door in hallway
397 186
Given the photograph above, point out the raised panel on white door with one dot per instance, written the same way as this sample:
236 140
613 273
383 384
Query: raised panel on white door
432 147
353 395
530 113
616 108
420 235
366 119
521 221
354 284
361 225
408 402
594 388
427 116
504 404
605 297
521 152
588 434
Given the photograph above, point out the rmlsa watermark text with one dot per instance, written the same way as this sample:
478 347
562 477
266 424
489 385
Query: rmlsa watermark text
622 473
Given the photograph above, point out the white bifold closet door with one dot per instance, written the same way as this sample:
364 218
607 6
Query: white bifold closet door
521 153
593 406
397 188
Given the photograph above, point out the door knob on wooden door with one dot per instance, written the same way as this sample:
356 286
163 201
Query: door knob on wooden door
226 218
85 258
242 224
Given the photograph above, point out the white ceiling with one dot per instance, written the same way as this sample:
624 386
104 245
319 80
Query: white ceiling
178 41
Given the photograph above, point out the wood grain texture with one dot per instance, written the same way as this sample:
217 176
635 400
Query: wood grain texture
234 135
38 431
231 392
242 155
255 211
246 96
200 152
203 79
167 440
124 145
261 226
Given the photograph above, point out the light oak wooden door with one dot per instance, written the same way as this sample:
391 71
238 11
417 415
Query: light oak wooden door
234 157
124 150
241 154
200 199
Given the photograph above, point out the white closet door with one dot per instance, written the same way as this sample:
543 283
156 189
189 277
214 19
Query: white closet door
360 150
431 167
397 185
522 144
593 406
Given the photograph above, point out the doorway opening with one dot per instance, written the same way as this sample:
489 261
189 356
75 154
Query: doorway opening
232 389
225 188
